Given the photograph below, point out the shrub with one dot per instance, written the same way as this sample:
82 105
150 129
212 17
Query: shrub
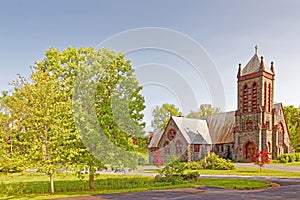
297 157
173 169
283 158
192 165
141 160
215 162
176 171
292 157
189 174
202 163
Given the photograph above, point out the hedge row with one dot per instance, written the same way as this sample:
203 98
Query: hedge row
288 157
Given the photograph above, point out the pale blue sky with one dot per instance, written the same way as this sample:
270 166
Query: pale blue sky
227 30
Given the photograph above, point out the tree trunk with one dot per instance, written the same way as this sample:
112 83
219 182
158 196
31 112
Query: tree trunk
51 184
92 181
91 176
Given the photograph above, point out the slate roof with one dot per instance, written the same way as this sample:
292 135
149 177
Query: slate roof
253 66
277 106
221 127
195 131
155 139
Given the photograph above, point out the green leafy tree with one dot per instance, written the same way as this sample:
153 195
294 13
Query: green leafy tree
114 108
204 109
64 66
161 115
41 112
7 158
292 115
107 106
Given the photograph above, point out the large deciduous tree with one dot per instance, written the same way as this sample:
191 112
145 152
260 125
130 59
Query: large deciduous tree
204 109
107 107
292 115
161 115
41 112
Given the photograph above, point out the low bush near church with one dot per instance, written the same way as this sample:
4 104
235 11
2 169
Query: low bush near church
213 161
178 171
192 165
288 158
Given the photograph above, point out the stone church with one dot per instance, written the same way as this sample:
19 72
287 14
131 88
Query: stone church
257 124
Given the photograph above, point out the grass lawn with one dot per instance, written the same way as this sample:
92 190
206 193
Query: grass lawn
243 171
68 185
294 164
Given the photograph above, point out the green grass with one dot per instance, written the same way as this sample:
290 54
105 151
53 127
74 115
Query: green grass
215 182
294 164
150 171
32 185
244 171
36 186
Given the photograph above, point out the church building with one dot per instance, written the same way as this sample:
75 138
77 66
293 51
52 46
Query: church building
257 124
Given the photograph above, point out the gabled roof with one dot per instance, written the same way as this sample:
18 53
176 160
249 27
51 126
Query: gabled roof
280 111
221 127
277 106
155 139
195 131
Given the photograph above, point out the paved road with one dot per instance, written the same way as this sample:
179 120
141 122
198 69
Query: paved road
275 167
287 188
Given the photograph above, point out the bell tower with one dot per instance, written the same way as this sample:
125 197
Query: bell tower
254 118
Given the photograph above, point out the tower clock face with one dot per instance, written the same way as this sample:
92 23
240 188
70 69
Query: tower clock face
171 134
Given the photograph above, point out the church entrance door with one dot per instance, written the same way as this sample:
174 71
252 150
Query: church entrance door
250 150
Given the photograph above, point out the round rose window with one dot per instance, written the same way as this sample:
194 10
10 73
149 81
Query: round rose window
171 134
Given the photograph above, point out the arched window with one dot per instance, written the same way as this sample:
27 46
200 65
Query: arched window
280 135
178 146
265 95
167 148
268 127
245 98
254 97
269 98
249 126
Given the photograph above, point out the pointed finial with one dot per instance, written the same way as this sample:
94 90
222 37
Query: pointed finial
262 65
272 67
256 48
239 70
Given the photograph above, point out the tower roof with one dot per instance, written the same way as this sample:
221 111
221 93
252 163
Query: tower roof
255 64
252 66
